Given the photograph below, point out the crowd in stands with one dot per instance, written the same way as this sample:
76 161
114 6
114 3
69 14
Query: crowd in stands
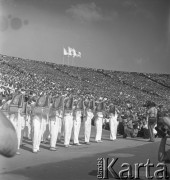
117 87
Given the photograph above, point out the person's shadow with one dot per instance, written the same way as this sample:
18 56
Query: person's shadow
26 148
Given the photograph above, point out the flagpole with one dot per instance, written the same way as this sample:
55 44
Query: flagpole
68 60
63 59
63 55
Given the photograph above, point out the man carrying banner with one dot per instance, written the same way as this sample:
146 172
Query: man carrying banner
56 112
68 119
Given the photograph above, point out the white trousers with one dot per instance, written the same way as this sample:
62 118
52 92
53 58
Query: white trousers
28 125
37 130
60 128
87 126
68 125
76 127
17 125
99 124
54 127
45 130
113 127
22 119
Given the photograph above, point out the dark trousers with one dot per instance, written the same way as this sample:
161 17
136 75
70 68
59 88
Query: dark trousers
128 132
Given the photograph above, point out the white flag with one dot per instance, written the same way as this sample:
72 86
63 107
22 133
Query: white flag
74 53
79 54
70 51
65 52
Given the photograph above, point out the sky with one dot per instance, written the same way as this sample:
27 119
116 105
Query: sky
121 35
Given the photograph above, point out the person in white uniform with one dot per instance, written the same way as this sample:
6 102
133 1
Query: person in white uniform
61 127
113 122
68 119
55 115
15 108
30 116
36 124
78 112
23 115
99 119
60 118
28 124
45 125
89 114
40 112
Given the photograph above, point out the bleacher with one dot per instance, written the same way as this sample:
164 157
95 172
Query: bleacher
117 86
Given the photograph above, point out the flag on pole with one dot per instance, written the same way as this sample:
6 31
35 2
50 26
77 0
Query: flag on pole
78 54
65 52
70 51
74 53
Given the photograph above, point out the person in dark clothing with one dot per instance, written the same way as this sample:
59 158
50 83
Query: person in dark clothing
127 123
151 118
163 153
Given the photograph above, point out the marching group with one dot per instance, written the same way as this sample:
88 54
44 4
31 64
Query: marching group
63 114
